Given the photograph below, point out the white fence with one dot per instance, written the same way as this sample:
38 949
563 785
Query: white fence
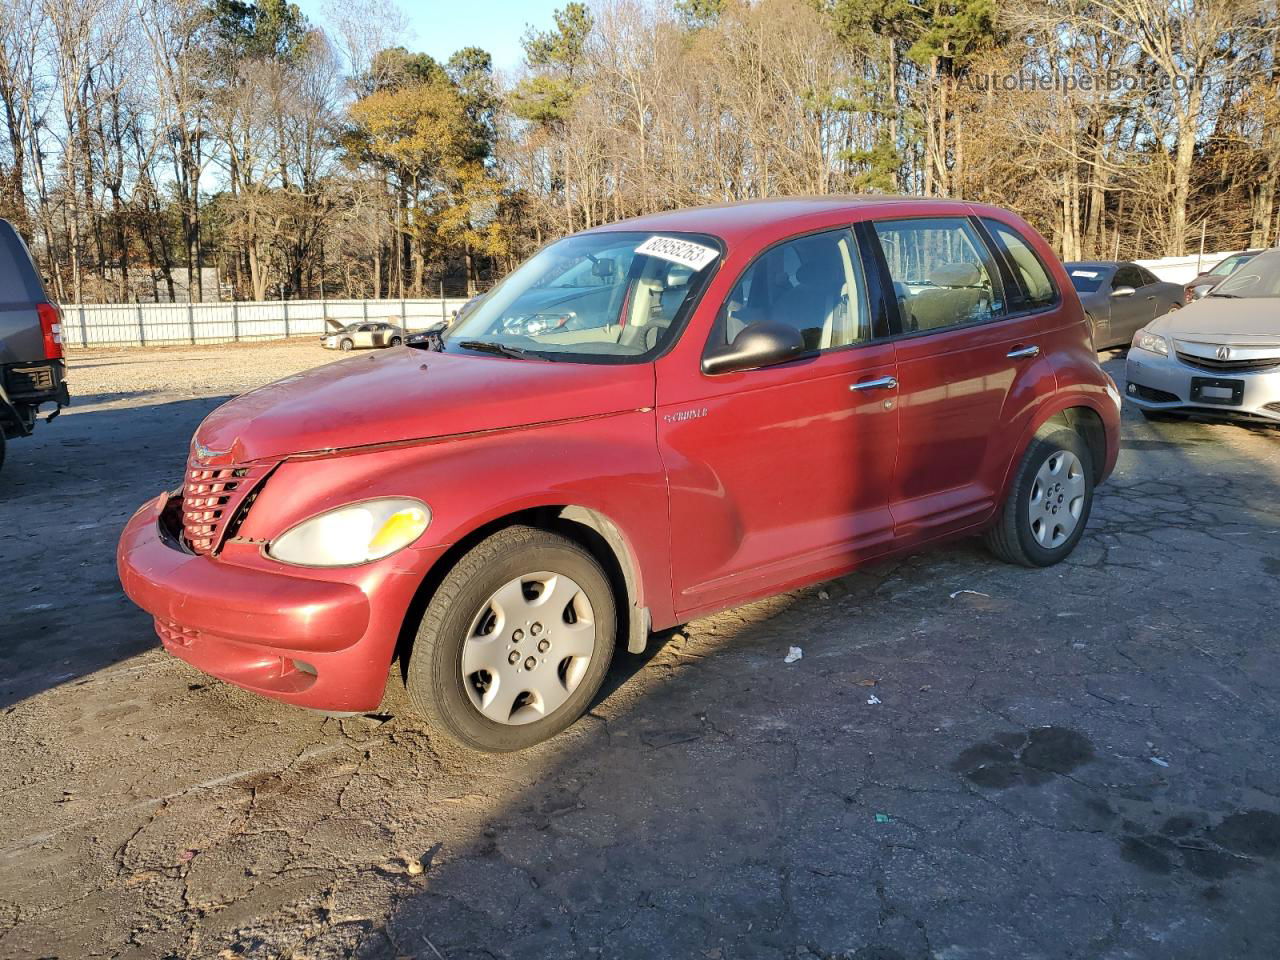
1183 269
154 324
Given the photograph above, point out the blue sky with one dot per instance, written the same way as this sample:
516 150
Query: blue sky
440 28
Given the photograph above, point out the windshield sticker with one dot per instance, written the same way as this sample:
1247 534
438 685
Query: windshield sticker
1084 273
692 255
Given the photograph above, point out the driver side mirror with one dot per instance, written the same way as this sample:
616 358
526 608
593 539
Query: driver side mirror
1123 292
759 345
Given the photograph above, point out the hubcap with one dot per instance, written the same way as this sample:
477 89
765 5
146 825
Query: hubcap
528 648
1057 499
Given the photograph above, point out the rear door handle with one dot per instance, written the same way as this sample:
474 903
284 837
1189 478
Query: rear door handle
884 383
1018 353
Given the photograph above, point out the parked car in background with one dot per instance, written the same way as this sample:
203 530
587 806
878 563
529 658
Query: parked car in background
364 334
1120 298
32 370
761 396
1210 278
1218 356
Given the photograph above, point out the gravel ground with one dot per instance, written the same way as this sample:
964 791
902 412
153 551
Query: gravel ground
970 760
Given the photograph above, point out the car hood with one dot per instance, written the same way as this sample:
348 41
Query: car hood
1247 320
403 394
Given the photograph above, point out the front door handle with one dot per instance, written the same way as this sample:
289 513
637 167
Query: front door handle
884 383
1018 353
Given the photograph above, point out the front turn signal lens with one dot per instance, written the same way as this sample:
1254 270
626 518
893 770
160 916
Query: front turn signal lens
354 534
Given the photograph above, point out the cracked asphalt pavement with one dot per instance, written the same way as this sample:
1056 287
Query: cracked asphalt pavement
971 760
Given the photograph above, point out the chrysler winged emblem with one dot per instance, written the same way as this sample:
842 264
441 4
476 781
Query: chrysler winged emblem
204 453
1224 353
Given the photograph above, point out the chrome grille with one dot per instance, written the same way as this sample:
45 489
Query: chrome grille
1228 366
210 496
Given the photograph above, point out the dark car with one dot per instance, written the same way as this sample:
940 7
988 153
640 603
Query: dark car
32 372
1119 299
1210 278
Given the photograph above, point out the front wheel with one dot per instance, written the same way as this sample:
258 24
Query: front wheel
1048 505
346 344
515 643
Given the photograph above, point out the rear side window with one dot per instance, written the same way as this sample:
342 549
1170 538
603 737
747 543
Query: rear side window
19 282
1032 286
943 275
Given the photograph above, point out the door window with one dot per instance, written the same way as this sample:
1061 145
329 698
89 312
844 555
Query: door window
1032 287
813 283
942 273
1148 277
1127 276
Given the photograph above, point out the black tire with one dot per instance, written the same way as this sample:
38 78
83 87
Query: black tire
434 678
1011 538
346 344
396 341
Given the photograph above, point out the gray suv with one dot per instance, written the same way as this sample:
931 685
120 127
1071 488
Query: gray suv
32 371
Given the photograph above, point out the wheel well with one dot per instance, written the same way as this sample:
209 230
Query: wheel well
589 529
1089 426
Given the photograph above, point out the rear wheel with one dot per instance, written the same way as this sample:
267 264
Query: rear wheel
346 344
515 643
396 341
1048 505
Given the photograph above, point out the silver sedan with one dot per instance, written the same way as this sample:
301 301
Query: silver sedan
367 334
1219 356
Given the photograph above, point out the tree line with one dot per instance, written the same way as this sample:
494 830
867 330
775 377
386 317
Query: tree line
160 149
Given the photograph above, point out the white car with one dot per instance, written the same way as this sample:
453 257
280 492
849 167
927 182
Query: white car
1218 356
364 334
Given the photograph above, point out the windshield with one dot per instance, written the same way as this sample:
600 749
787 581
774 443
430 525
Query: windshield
1087 279
601 297
1230 264
1260 277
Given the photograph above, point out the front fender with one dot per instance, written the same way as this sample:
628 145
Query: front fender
607 465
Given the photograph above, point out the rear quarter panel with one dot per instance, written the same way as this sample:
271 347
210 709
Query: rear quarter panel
21 339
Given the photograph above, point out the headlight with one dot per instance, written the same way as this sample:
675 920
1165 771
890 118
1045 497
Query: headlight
353 534
1151 342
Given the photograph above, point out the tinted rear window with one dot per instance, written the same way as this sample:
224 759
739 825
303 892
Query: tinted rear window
19 282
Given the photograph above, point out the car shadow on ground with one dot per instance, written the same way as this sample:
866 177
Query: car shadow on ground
65 494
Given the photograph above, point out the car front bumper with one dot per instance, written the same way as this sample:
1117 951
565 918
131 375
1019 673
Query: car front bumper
319 638
1155 382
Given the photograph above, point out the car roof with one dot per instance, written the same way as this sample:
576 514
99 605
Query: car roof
762 221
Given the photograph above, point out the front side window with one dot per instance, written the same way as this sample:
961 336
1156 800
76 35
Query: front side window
812 283
1032 286
594 297
941 271
1127 276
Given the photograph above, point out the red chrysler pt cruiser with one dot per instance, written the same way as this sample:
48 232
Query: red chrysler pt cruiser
645 423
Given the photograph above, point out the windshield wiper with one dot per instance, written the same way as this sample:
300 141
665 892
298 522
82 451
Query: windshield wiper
501 349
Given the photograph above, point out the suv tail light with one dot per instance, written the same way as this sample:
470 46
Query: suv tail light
51 327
